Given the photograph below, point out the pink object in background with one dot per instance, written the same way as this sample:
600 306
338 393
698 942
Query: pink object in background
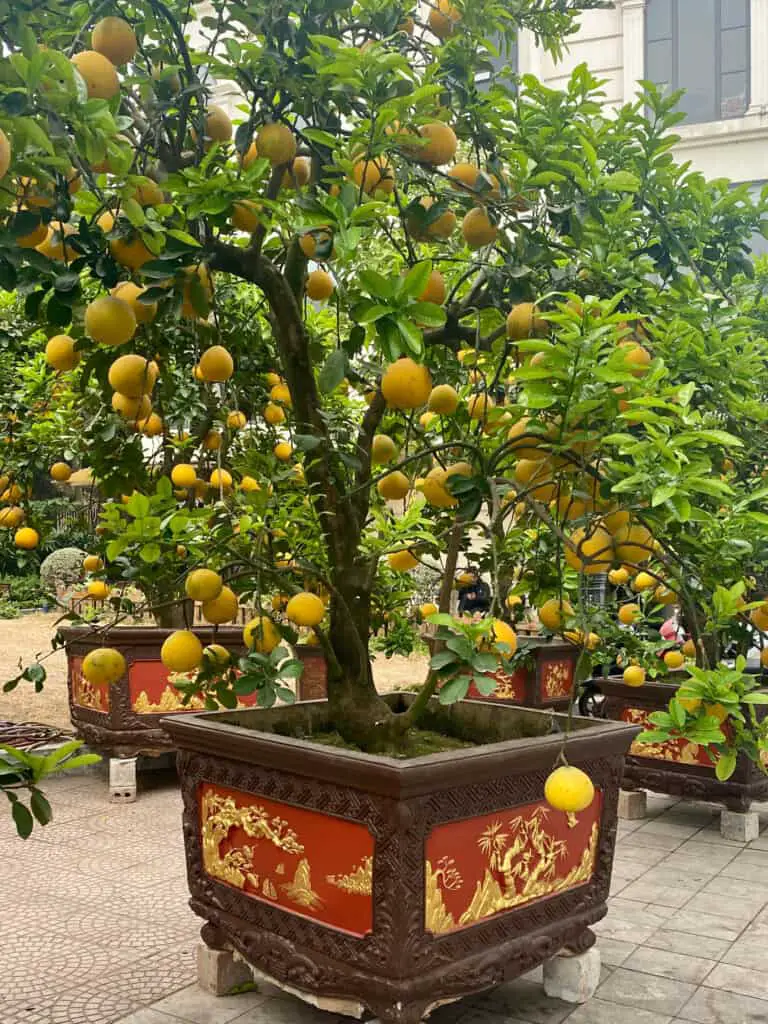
668 630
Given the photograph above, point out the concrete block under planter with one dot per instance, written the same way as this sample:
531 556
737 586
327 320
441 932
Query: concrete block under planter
677 768
123 720
545 682
398 884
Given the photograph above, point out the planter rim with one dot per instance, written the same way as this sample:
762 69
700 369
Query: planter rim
137 634
204 732
657 688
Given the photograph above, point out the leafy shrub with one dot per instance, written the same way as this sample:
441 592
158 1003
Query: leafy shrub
63 568
26 591
8 610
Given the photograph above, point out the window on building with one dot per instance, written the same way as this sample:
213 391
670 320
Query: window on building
701 46
507 57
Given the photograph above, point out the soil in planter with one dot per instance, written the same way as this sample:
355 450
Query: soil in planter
441 728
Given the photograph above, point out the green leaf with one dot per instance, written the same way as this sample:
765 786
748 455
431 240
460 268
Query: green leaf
415 281
726 765
442 659
662 494
485 684
459 645
137 505
150 553
427 314
485 662
376 285
621 181
23 819
333 371
410 334
454 690
40 807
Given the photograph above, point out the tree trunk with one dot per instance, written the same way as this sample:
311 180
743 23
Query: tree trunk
174 616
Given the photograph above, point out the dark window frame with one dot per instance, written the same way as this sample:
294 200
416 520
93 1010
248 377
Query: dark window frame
717 91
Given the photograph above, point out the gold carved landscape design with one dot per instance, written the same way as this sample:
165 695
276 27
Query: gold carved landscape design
524 860
556 680
678 751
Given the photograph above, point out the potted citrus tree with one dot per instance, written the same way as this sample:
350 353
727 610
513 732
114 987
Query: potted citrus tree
382 214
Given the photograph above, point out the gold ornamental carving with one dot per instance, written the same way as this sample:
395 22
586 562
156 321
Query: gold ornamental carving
556 682
359 881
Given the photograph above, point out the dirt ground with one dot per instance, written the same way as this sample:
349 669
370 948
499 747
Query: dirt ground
21 639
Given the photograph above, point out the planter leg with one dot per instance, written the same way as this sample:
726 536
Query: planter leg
122 780
573 977
740 826
400 1014
632 804
219 972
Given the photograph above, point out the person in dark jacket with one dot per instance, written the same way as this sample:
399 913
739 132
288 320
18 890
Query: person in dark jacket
474 597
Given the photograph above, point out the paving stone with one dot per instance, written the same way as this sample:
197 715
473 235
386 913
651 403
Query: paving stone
646 992
598 1011
613 951
281 1011
688 944
748 951
678 966
633 852
670 828
739 979
524 1000
744 909
149 1017
194 1006
698 923
645 891
755 873
712 1006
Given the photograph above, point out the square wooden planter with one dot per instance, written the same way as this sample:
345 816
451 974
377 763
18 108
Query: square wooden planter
677 768
547 683
395 884
123 720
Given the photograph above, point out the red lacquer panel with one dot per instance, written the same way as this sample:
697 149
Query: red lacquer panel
678 751
555 679
311 864
85 694
509 687
152 692
480 867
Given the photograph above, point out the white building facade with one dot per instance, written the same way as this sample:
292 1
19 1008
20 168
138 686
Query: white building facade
715 49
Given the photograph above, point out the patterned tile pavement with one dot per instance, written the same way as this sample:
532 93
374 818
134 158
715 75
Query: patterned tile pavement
95 928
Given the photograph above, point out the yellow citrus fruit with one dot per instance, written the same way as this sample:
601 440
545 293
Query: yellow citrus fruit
629 613
34 238
523 322
434 290
593 551
441 226
132 408
393 486
663 595
221 478
637 358
236 420
283 451
502 633
249 484
478 229
402 561
276 143
103 666
5 153
217 655
689 649
319 285
55 245
203 585
216 364
273 414
261 634
569 789
305 609
406 384
12 493
184 475
298 174
716 711
245 215
11 517
674 659
181 651
553 613
212 441
61 472
145 312
691 704
634 543
98 73
152 426
464 177
535 476
110 321
426 419
433 488
443 18
372 174
425 610
148 193
634 675
280 393
114 39
133 375
26 538
443 400
98 589
131 253
223 608
478 406
764 657
218 126
643 581
514 601
441 144
92 563
383 449
619 577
